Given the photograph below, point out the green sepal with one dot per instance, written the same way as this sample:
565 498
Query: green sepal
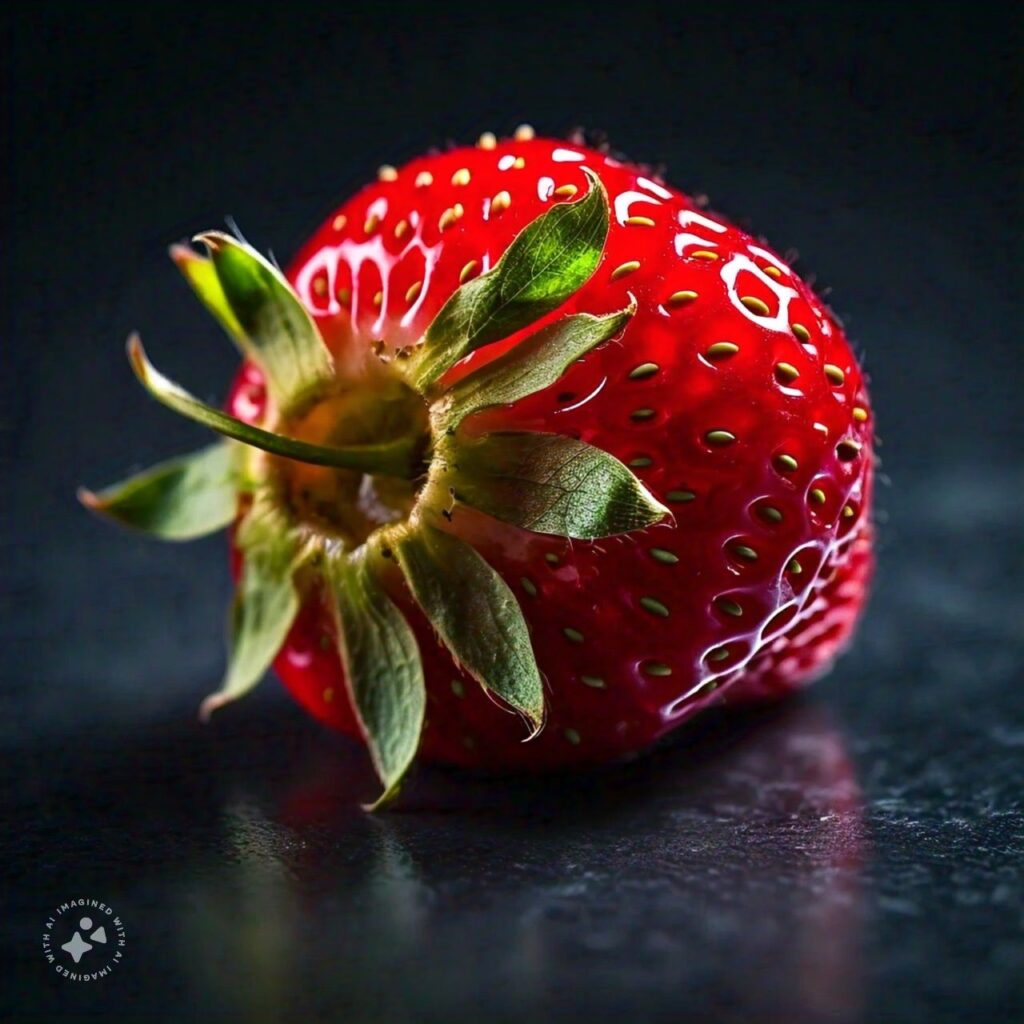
475 614
535 363
180 499
383 670
265 603
400 457
277 331
549 260
201 275
548 483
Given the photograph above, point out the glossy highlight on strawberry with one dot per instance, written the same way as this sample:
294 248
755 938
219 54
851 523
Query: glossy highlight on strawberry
680 509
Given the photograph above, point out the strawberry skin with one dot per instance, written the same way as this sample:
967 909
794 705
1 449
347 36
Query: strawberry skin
733 395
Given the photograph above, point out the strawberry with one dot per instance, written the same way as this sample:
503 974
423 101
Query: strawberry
525 430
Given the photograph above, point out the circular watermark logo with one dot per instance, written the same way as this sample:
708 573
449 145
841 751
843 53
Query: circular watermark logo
83 940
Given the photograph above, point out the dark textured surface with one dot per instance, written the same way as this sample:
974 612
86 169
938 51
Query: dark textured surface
851 857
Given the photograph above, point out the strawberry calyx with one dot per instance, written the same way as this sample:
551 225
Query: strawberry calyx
354 472
398 457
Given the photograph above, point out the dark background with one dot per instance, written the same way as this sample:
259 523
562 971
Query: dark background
852 856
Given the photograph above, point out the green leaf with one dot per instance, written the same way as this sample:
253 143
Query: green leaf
535 363
277 331
265 603
383 670
551 484
475 613
183 498
400 457
549 260
201 274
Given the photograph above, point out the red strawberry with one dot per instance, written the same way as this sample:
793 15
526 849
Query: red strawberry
682 515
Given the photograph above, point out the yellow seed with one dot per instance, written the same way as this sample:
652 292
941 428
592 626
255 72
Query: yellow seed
787 462
848 512
657 668
722 350
834 373
664 556
339 222
529 586
817 495
573 634
718 654
414 291
655 607
449 217
371 224
680 497
319 286
501 202
524 133
848 450
387 173
729 606
802 334
642 414
457 688
643 371
468 271
461 176
640 222
786 372
625 268
595 681
566 190
860 414
423 179
754 304
328 694
487 141
344 295
680 298
401 227
573 737
378 299
520 163
795 567
704 254
719 437
772 271
770 514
